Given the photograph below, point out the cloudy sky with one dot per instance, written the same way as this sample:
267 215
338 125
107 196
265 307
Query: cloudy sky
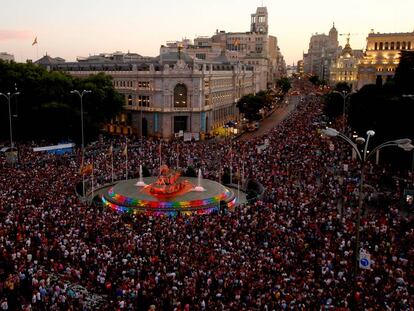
71 28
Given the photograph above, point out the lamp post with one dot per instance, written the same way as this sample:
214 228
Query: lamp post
344 95
9 96
363 157
81 94
411 96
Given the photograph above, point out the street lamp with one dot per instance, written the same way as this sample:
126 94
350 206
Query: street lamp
344 95
81 94
404 143
9 96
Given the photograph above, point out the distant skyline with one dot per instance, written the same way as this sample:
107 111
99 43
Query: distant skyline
72 28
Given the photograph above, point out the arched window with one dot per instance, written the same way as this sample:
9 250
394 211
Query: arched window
392 46
381 46
180 95
398 45
386 45
376 46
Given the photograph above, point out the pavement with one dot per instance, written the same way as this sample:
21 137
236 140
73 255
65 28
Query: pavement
273 120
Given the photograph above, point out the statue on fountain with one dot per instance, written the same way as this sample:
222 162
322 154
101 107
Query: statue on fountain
168 184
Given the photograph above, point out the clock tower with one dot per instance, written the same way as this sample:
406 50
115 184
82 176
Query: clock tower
259 21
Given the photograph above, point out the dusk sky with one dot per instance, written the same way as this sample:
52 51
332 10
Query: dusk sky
71 28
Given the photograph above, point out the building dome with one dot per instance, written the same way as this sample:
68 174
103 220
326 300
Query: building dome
333 30
347 51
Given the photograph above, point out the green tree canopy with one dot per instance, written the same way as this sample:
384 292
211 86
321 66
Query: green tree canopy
284 84
45 108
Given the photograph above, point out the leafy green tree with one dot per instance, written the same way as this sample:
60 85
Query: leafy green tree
284 84
45 109
250 105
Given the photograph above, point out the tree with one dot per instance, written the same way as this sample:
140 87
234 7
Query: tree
284 84
315 80
250 105
404 74
45 109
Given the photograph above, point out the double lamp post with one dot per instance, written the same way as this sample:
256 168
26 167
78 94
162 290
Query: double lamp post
363 157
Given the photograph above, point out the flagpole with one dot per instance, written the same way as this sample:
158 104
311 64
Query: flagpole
93 164
178 158
231 163
126 158
160 155
112 163
238 187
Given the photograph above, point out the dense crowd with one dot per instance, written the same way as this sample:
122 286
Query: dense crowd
291 250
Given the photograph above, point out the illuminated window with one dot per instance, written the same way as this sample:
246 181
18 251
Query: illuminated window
143 84
143 101
180 95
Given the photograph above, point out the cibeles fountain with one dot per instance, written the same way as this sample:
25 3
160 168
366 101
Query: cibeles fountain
168 194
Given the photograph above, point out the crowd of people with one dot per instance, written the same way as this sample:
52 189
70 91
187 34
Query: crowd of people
294 249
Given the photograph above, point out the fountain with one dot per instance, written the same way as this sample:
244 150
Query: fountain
199 188
140 182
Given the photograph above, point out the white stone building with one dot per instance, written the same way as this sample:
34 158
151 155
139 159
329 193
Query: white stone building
170 94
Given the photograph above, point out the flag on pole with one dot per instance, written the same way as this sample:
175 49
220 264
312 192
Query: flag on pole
86 169
34 41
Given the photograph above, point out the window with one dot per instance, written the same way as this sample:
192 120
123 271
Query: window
398 45
129 100
180 95
381 46
409 45
386 45
392 46
143 84
403 45
143 101
376 46
201 55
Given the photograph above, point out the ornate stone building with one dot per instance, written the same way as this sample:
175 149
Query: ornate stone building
255 47
169 94
345 68
382 56
323 51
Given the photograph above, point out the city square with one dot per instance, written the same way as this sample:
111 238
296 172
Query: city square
213 176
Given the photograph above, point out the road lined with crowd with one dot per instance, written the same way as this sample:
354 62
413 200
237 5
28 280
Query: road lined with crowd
293 250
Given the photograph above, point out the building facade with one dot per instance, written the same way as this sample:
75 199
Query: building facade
255 47
382 56
323 51
345 68
173 93
6 57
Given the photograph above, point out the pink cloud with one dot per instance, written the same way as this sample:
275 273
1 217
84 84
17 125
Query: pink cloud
6 35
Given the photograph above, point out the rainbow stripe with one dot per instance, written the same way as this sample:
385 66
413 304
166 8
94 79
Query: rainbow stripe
130 202
152 212
122 204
